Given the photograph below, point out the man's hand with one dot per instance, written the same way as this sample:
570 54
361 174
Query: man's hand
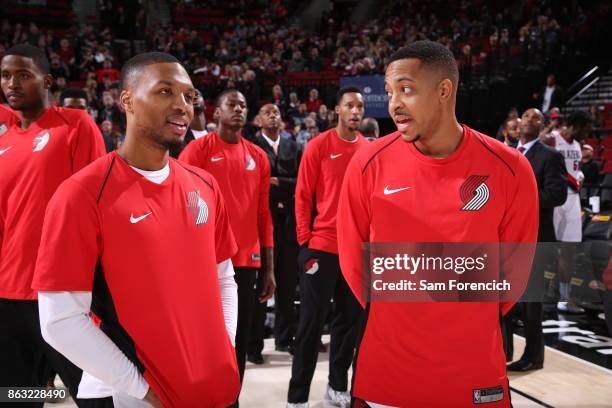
274 181
152 399
268 285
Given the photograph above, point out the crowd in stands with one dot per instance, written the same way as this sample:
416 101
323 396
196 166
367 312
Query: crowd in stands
255 47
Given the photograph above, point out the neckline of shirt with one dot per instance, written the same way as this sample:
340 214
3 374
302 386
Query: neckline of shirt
357 134
467 137
229 145
155 177
34 125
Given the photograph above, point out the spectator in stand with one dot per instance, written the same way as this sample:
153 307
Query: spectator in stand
554 122
250 89
293 105
511 132
309 131
278 99
110 111
313 102
107 71
596 118
588 166
314 62
300 116
112 138
550 96
512 114
297 62
322 121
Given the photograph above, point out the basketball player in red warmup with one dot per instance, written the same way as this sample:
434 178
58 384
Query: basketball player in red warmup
148 239
405 187
44 146
318 189
243 172
8 118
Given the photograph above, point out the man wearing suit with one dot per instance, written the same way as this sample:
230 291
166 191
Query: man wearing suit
550 96
284 156
551 176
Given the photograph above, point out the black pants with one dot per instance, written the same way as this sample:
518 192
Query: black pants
317 288
285 273
245 279
531 313
26 360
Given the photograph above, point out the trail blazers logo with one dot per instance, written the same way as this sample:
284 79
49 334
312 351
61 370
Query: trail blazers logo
474 193
40 141
197 207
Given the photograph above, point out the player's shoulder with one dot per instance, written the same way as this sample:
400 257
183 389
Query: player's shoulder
500 154
370 150
71 116
91 178
320 142
196 173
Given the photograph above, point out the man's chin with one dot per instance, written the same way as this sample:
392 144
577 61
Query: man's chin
410 137
171 143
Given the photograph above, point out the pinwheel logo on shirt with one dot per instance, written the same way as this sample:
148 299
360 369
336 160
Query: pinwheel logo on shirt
250 163
197 207
474 193
40 141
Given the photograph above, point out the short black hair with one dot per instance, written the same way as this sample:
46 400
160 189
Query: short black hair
431 54
137 62
36 54
225 92
368 127
577 119
344 90
75 93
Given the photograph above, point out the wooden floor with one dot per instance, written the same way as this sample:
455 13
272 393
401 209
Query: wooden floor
565 382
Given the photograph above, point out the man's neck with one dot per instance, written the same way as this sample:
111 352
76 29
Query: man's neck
346 134
198 122
272 134
143 153
27 117
229 135
442 142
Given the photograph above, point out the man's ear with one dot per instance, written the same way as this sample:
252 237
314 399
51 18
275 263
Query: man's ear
125 100
445 89
48 81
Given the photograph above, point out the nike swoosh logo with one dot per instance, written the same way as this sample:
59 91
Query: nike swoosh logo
335 156
5 150
138 219
395 190
216 159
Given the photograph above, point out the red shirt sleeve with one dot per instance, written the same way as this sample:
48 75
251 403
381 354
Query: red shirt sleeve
264 219
308 176
86 142
70 243
225 244
353 225
519 225
191 155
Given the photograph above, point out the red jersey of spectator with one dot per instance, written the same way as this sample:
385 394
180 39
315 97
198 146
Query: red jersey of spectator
110 73
8 118
243 172
313 105
34 162
141 246
394 193
319 181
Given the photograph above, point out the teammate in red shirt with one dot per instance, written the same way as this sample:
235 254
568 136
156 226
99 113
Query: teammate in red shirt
8 118
405 187
243 172
318 188
153 245
43 148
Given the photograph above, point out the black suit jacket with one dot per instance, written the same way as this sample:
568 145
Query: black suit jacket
551 176
283 166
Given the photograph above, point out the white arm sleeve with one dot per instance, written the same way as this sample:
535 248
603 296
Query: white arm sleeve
66 326
229 297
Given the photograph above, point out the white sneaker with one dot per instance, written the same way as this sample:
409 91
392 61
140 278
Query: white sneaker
297 405
340 399
569 307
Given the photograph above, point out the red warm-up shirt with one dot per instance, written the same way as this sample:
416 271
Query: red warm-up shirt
243 173
433 354
33 163
8 118
318 187
148 253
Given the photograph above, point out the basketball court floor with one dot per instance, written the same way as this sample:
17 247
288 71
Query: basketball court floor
565 382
